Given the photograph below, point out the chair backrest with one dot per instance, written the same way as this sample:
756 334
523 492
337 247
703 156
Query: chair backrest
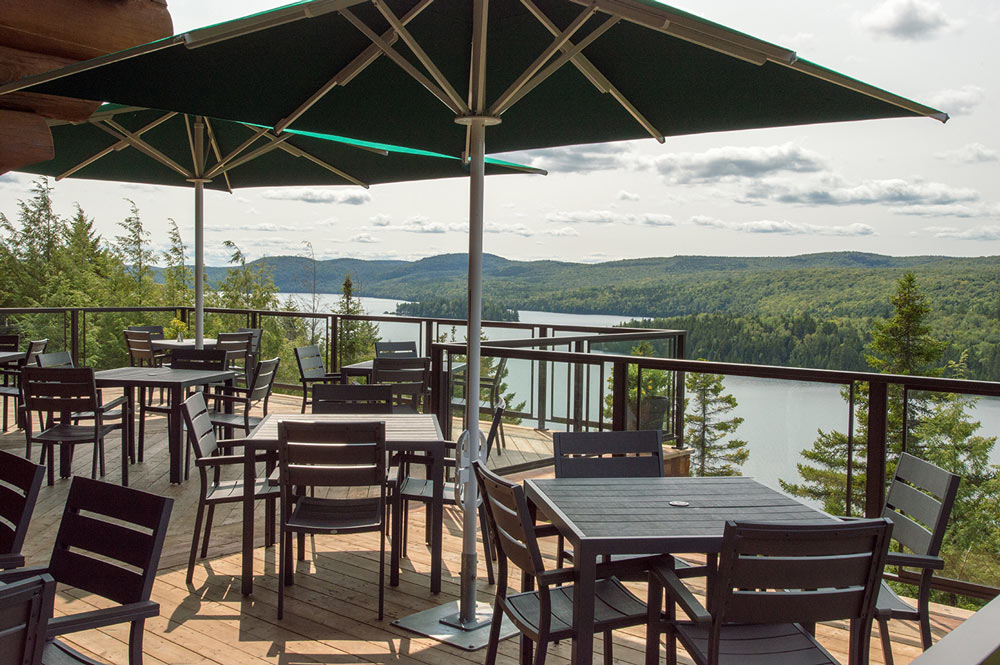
351 398
919 503
310 362
495 426
492 380
59 389
396 349
325 454
256 334
140 346
507 514
55 359
637 454
155 332
25 608
110 539
9 342
20 480
263 380
208 359
237 345
802 573
198 421
35 347
407 376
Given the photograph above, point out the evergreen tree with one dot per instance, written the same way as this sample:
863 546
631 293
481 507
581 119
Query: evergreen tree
177 277
27 248
246 286
132 248
356 337
708 424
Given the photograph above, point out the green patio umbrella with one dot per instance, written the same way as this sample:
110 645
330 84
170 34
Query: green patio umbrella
436 73
129 144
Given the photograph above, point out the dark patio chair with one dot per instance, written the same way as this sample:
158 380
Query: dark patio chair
628 454
10 389
919 503
239 353
20 480
211 457
9 342
489 383
773 582
155 332
71 393
113 410
139 342
312 370
351 398
258 392
349 457
543 615
108 545
25 608
257 335
421 489
408 378
395 349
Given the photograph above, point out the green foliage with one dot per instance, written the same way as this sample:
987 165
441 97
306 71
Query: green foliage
356 337
178 279
456 308
132 248
708 424
648 392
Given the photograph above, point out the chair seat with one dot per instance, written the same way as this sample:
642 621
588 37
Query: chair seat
58 653
220 419
890 603
10 391
614 607
754 644
72 433
336 515
232 490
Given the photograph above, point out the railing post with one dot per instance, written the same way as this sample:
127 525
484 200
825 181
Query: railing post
429 340
577 389
619 395
543 383
333 345
437 385
74 332
878 427
679 388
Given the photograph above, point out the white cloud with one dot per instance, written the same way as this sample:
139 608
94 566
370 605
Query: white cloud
365 238
959 101
577 158
735 163
627 196
783 227
318 195
418 224
607 217
978 233
896 191
909 20
381 220
957 210
970 153
527 232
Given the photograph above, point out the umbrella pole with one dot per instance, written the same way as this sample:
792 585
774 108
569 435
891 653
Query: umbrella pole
199 232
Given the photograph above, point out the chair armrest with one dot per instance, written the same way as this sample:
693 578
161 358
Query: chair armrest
556 576
662 573
11 560
230 443
221 460
19 574
118 401
144 609
909 560
545 530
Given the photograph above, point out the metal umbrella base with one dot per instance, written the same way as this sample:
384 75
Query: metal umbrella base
442 623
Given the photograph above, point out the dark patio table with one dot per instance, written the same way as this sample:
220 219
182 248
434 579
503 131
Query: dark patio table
362 370
418 433
177 381
10 356
635 516
171 344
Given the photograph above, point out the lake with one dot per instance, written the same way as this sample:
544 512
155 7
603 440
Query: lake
781 418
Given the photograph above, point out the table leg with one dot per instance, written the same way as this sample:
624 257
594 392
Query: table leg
437 517
249 478
583 612
128 420
396 535
175 434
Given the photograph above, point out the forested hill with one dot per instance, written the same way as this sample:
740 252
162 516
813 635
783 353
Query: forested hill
833 284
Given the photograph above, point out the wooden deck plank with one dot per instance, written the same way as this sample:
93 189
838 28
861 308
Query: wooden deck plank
330 611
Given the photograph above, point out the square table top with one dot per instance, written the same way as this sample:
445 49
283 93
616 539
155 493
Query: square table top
10 356
635 515
186 343
399 427
161 376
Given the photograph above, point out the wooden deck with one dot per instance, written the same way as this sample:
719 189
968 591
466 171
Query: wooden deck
330 612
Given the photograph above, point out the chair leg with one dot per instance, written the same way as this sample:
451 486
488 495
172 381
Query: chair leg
381 572
608 648
48 453
883 630
487 545
208 530
494 643
405 522
135 633
93 462
198 516
285 542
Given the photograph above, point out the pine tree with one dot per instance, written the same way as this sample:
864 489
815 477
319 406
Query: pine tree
355 337
708 424
133 250
177 277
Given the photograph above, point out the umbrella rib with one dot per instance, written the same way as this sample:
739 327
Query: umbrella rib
419 52
556 65
594 75
299 152
217 151
503 102
113 147
353 68
231 161
258 132
404 64
113 128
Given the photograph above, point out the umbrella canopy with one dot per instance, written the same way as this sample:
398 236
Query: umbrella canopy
129 144
436 73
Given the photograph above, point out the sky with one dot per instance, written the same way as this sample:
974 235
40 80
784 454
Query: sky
900 187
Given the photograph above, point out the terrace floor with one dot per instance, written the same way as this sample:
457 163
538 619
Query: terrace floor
330 614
